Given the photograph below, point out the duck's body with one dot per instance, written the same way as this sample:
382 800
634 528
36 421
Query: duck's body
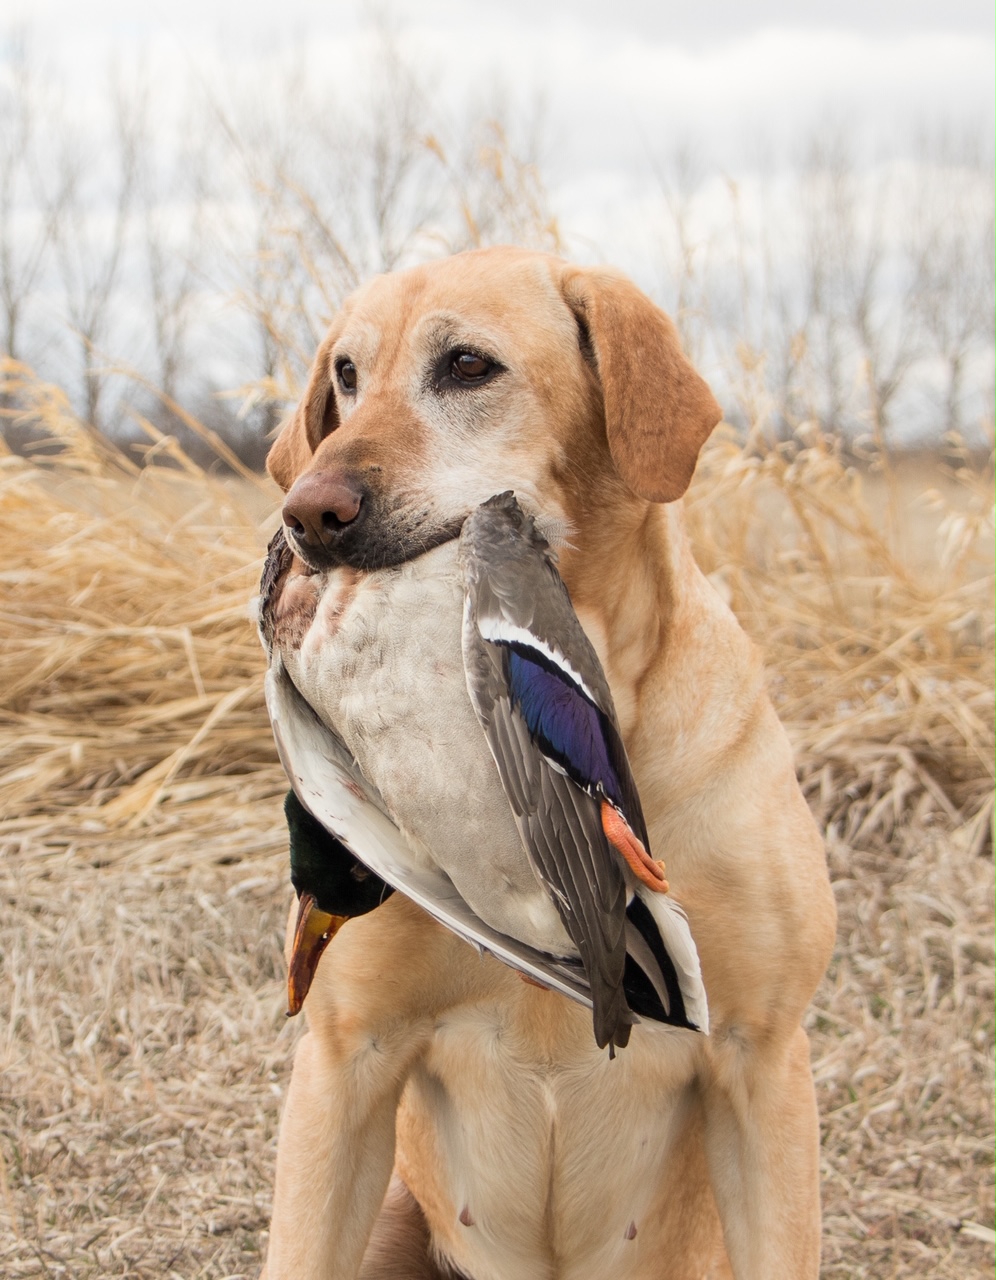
471 763
382 665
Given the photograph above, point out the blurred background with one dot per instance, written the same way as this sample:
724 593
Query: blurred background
187 192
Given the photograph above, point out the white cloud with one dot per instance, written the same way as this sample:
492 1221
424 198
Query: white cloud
617 92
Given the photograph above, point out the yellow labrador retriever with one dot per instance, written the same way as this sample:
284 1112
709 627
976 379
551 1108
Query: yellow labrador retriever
518 1150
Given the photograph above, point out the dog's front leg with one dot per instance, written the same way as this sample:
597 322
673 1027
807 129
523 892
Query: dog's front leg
334 1159
384 980
762 1144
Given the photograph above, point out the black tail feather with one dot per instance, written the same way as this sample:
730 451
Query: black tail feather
640 991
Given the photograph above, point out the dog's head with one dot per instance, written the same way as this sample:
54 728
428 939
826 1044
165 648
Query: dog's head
497 369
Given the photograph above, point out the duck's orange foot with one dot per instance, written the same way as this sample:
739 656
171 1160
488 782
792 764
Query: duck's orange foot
620 835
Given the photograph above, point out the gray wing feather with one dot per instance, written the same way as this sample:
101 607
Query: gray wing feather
509 745
514 594
561 831
513 581
597 900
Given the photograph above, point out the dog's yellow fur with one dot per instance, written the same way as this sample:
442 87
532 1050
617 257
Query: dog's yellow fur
526 1153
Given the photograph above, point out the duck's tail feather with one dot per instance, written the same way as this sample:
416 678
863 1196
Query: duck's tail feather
663 978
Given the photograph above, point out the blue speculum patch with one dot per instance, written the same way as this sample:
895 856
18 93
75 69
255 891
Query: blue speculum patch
566 725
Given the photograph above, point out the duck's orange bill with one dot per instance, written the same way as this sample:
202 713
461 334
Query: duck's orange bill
621 837
314 931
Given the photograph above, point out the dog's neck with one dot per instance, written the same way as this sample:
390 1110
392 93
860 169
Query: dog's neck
627 573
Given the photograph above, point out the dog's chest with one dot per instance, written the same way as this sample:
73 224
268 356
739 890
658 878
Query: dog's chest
563 1205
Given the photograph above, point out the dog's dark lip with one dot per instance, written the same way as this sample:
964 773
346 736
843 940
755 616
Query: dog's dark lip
399 554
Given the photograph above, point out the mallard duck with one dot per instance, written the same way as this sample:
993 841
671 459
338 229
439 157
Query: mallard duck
449 722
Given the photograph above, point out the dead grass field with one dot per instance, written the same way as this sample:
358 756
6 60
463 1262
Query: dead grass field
143 1047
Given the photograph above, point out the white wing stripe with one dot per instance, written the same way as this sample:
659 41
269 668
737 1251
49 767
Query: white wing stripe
499 630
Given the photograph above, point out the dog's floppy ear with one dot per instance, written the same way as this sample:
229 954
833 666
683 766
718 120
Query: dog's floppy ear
309 424
658 411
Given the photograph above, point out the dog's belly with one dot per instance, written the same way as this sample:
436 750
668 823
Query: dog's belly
535 1166
382 665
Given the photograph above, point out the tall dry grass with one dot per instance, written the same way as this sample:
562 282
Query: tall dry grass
142 1045
132 674
870 590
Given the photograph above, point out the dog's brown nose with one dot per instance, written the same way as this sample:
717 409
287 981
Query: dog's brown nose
320 506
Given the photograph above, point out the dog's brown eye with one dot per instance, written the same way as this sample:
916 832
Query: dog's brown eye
460 368
346 373
466 366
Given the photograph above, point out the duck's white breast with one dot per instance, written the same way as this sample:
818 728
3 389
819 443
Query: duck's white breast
382 665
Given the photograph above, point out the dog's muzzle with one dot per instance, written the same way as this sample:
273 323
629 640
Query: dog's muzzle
333 518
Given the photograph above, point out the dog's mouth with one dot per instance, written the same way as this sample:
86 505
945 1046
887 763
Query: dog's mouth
385 537
291 562
375 540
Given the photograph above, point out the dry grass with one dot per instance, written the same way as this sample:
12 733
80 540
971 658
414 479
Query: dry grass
871 595
142 1043
131 673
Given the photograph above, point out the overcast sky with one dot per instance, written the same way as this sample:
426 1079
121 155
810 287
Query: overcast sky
620 77
710 21
624 84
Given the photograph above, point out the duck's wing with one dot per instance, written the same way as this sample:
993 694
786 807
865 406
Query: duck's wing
544 704
557 821
329 784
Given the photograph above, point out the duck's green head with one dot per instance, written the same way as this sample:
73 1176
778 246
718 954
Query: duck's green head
332 886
